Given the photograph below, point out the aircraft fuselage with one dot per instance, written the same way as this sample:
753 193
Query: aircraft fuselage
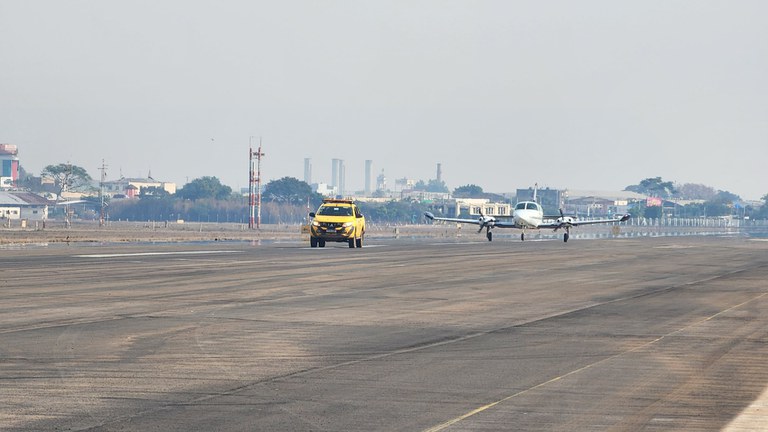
528 214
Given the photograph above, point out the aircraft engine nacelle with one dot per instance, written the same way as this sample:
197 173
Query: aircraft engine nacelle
486 220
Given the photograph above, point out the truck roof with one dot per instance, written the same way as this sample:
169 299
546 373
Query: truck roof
337 201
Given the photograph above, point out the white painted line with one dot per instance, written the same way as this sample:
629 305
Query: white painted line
140 254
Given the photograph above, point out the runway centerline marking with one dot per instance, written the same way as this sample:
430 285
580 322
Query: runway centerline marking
140 254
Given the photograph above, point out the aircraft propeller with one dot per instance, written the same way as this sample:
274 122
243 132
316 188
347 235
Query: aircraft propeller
485 222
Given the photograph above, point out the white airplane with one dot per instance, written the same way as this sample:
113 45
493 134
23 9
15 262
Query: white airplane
527 215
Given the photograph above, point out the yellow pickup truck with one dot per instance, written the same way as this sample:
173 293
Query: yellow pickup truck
337 220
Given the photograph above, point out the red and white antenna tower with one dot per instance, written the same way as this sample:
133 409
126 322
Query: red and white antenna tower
254 186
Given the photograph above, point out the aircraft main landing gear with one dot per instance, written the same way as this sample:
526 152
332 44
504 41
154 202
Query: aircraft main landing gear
489 235
522 236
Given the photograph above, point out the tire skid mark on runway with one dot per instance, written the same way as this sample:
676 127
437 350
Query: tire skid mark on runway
486 407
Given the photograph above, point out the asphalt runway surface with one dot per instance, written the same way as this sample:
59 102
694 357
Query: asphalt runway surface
403 335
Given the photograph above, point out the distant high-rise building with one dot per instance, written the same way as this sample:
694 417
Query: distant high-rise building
439 172
335 172
337 175
381 182
308 171
368 173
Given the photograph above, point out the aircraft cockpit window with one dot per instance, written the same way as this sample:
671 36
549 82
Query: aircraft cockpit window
532 206
520 206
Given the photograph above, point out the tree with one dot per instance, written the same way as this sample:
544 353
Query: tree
693 191
721 204
291 190
433 185
204 187
67 177
392 211
762 212
654 187
28 181
153 192
468 191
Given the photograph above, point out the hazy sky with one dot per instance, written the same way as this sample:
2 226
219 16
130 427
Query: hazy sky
569 94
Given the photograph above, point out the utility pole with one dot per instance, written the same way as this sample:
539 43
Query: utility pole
254 186
103 170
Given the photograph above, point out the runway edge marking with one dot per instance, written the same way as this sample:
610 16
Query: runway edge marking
443 426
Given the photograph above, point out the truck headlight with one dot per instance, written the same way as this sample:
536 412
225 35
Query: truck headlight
348 224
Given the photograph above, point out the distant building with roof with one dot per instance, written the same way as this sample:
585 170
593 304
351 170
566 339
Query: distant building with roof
133 187
582 202
23 205
600 203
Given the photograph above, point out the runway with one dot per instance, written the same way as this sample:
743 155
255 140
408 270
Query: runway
402 335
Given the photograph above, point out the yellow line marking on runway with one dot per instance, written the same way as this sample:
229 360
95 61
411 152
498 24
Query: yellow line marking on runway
475 411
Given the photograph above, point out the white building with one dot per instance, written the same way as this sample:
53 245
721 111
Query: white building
132 187
24 206
324 189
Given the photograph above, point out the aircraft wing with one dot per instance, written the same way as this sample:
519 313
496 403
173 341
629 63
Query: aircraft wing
431 216
486 222
574 223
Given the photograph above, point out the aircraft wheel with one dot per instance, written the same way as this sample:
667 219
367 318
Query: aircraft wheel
312 242
522 236
321 242
490 236
565 237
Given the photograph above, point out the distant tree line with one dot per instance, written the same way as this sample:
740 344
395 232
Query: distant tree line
288 200
284 201
712 203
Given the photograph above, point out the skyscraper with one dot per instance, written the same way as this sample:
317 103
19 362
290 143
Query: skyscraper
308 171
335 172
338 174
368 173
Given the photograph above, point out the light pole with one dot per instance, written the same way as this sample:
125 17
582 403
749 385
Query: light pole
103 169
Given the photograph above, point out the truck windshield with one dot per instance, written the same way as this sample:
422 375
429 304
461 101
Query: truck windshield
335 211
